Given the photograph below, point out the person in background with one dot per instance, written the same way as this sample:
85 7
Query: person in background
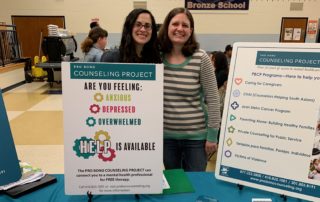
93 46
222 72
138 41
188 78
94 24
212 56
228 53
221 68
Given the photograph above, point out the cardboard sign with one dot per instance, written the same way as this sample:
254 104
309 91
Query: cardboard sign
9 166
270 129
113 128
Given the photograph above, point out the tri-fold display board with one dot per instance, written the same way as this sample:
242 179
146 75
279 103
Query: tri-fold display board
270 133
9 166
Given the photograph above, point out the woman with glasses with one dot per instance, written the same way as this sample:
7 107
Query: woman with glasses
138 42
189 136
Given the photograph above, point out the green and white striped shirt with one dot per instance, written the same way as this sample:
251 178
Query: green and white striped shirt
185 87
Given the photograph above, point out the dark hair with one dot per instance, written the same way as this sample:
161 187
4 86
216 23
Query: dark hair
228 48
213 54
92 38
221 68
220 61
94 24
150 51
166 45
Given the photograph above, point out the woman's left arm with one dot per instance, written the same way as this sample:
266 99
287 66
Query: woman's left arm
209 84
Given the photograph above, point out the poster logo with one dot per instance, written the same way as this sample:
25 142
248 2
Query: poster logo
238 81
224 170
99 145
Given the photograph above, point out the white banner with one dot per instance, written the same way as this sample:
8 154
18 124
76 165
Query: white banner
113 128
270 128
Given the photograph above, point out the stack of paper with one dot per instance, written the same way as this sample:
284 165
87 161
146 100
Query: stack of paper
29 174
52 30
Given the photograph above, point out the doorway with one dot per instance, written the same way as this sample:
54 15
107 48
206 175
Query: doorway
32 29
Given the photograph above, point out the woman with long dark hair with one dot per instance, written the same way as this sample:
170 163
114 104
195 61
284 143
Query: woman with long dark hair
138 41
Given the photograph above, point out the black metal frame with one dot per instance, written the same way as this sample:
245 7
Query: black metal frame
9 36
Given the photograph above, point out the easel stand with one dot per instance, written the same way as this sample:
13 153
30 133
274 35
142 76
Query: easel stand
240 186
284 197
90 196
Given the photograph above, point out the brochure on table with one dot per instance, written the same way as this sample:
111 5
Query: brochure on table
113 128
270 135
9 164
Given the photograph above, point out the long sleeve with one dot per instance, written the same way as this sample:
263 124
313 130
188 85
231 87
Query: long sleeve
209 84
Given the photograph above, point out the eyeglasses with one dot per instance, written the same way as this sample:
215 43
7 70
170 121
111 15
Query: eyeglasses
146 26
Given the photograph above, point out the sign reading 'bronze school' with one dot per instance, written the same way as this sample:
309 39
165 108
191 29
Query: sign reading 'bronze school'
217 4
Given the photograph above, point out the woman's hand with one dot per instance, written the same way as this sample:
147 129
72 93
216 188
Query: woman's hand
211 147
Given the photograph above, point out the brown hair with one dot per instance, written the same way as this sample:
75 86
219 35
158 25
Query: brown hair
166 45
150 51
92 38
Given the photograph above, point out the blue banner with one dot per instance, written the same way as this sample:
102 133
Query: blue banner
271 181
9 164
292 59
217 4
112 71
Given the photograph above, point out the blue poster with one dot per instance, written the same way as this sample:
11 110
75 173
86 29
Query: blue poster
217 4
9 164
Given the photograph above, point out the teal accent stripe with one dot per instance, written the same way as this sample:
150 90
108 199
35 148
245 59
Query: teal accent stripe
112 71
293 59
271 181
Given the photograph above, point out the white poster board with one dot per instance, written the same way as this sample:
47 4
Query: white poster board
296 34
269 132
113 128
312 28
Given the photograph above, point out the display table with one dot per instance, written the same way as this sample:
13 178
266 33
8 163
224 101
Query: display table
51 69
203 182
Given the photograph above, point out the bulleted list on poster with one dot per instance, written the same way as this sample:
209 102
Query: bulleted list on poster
270 133
113 123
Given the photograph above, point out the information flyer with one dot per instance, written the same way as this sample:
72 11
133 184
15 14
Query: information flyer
270 133
113 128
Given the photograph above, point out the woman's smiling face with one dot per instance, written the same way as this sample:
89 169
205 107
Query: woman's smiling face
142 29
179 30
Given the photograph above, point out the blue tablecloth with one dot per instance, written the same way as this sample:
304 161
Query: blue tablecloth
203 182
